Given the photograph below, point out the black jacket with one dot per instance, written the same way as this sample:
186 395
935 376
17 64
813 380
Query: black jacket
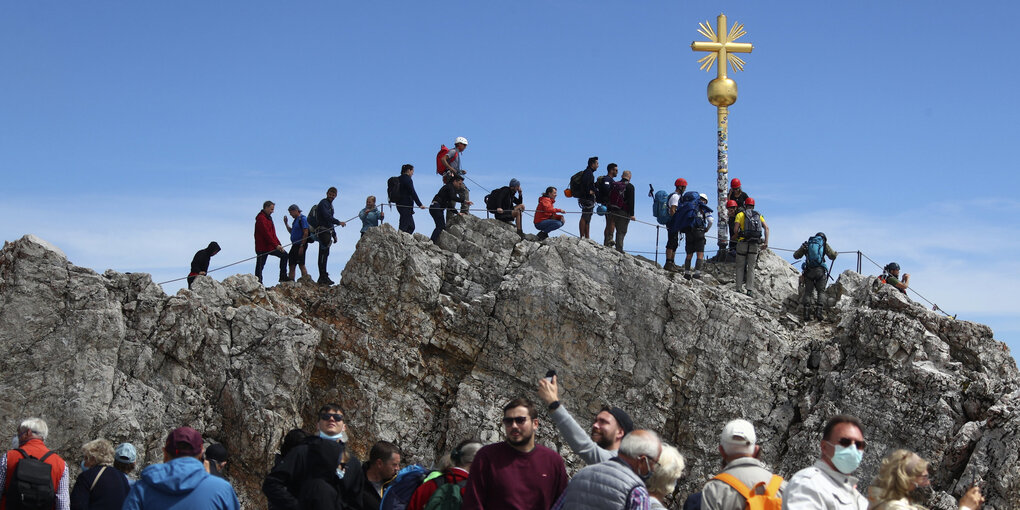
316 459
448 196
201 261
407 192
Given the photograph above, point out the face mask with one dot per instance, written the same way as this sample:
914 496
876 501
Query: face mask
922 494
83 468
340 473
846 458
342 436
649 473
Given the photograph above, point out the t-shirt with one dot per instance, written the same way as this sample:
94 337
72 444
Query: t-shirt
297 231
739 222
453 159
502 478
674 200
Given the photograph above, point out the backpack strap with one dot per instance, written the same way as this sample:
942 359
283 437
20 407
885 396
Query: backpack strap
24 455
774 484
737 485
44 457
96 479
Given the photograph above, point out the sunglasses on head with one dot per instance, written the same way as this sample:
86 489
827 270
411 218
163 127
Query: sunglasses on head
845 442
520 420
333 416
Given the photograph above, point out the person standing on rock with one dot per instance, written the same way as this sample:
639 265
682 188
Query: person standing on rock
673 234
181 481
370 215
752 237
603 187
608 428
828 484
443 204
731 216
695 237
814 275
585 195
516 474
451 163
31 443
266 242
406 198
741 467
298 241
618 483
547 216
325 233
200 262
621 209
316 473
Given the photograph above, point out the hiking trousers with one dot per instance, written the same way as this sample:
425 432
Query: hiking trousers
406 218
325 240
747 257
814 286
260 263
439 216
622 222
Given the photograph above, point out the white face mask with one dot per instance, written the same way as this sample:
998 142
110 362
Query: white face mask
846 458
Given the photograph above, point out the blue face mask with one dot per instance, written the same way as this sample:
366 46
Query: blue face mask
342 436
340 473
846 458
83 468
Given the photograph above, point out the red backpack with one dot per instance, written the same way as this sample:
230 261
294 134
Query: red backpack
440 167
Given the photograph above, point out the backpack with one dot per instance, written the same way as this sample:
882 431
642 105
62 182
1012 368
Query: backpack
617 195
761 497
576 185
447 496
398 494
815 253
494 200
752 231
308 221
393 189
31 486
603 188
440 167
660 207
688 212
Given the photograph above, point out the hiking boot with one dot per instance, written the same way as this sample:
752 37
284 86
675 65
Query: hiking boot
697 274
609 244
818 313
542 236
286 279
749 293
520 234
687 274
669 266
324 280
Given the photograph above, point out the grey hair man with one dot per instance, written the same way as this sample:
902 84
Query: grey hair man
828 484
608 427
739 451
618 483
31 443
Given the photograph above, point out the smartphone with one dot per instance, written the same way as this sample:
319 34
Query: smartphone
550 374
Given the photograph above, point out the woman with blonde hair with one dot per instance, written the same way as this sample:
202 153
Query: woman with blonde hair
663 479
99 486
902 473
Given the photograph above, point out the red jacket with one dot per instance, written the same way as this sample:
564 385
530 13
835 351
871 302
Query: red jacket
546 211
421 496
265 234
35 448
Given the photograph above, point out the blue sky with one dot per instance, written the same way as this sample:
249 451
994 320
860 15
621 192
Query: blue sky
133 133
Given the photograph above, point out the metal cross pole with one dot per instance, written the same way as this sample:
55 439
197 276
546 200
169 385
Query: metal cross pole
722 92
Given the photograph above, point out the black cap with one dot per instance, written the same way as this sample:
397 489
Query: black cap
622 418
216 452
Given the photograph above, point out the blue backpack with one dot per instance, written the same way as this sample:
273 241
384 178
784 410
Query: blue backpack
660 207
815 253
398 494
690 212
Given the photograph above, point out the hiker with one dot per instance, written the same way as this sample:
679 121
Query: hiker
902 478
516 473
694 235
181 481
266 242
584 192
406 198
216 459
380 469
124 458
547 216
891 275
451 163
17 485
737 194
603 188
673 234
453 478
370 215
731 216
608 427
741 468
663 480
200 262
620 481
443 204
828 484
99 486
299 235
323 224
814 275
507 203
621 209
752 236
317 471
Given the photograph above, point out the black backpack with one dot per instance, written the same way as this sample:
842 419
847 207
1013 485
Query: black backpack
494 200
393 189
576 185
31 485
753 231
603 188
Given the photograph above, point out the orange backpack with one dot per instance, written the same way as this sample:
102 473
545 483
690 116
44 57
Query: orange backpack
761 497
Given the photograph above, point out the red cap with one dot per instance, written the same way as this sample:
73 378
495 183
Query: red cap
749 201
186 435
735 183
681 182
731 203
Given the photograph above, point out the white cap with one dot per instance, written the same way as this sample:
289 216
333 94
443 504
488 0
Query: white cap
703 196
460 139
738 438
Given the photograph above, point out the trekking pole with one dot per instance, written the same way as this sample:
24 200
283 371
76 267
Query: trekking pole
656 242
829 274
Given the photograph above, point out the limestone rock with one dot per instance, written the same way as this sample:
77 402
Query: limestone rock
423 344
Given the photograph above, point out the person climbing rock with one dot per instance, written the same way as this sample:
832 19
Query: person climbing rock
752 236
891 276
814 275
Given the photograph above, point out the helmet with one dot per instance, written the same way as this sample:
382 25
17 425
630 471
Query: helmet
892 266
749 201
703 197
460 139
735 183
681 182
822 235
731 203
601 210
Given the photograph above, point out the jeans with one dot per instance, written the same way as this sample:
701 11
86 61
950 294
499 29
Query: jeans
260 263
548 225
439 216
325 239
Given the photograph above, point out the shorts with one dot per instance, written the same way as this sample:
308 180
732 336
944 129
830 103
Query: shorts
296 256
673 239
695 241
587 205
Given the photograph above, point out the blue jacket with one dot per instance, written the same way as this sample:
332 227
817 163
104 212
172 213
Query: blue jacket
181 483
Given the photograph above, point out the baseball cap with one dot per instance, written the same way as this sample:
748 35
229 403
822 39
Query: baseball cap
738 437
294 207
126 453
216 452
191 439
514 183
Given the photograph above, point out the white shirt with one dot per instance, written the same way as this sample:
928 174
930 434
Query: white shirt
820 487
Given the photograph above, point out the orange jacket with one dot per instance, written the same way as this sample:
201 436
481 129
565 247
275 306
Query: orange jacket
35 448
546 211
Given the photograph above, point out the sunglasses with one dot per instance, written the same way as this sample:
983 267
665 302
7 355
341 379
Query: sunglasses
845 442
333 416
520 420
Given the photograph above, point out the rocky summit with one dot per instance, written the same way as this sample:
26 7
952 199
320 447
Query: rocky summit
423 344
